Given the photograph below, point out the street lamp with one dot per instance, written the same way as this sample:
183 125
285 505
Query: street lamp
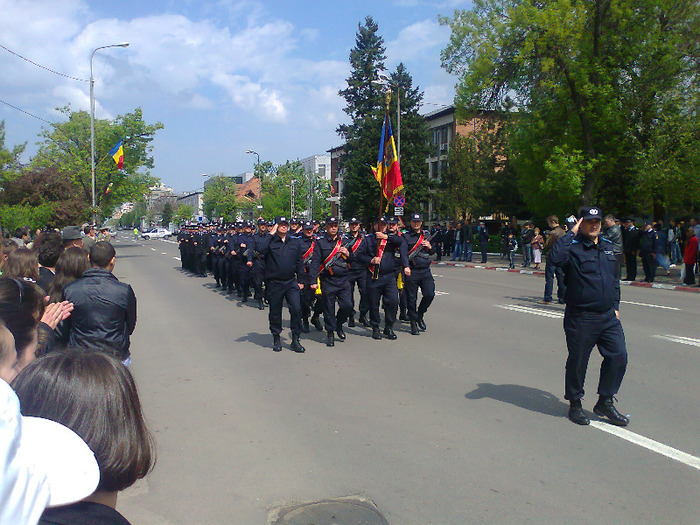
92 124
385 81
251 152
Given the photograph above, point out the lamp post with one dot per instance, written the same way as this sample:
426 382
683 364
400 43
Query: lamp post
92 125
251 152
385 81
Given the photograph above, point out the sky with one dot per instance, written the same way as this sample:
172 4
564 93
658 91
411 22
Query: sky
222 76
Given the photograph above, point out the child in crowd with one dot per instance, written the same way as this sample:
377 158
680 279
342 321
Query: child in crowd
512 248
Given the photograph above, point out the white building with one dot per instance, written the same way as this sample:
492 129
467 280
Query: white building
196 200
318 165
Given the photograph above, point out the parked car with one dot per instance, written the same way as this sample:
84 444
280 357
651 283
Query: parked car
157 233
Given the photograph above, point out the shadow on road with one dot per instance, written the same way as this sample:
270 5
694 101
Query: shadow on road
525 397
264 340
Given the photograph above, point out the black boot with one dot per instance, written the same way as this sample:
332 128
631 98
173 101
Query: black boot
376 333
305 326
414 328
261 306
363 321
389 333
351 321
421 324
604 407
276 343
403 316
317 323
340 332
576 413
330 340
296 345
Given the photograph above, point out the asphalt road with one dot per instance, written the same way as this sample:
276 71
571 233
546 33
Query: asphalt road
465 423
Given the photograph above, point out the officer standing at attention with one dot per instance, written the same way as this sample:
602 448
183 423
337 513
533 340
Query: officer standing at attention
378 256
330 264
419 252
592 315
284 278
357 274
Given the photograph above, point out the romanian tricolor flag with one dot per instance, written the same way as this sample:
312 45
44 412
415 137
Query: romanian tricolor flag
117 153
388 171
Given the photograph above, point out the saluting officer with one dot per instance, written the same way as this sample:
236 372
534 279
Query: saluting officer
419 252
330 264
357 274
284 278
378 255
592 315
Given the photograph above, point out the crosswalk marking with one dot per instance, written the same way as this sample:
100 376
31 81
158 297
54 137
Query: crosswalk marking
651 305
679 339
441 293
553 314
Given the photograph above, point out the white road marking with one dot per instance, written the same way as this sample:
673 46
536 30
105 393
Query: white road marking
163 253
441 293
651 305
649 444
553 314
153 249
679 339
176 258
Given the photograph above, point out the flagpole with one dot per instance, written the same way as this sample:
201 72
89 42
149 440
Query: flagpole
385 139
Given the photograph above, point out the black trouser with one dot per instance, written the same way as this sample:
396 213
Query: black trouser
216 268
649 264
631 265
244 278
550 273
420 278
183 258
484 251
584 330
234 274
359 279
257 275
307 297
383 288
277 292
403 298
199 263
332 289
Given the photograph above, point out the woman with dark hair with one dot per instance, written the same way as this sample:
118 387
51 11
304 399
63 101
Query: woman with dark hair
22 264
31 322
95 396
70 266
8 247
48 246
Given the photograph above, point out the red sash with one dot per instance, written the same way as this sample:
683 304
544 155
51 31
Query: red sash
336 249
417 246
309 251
380 252
356 244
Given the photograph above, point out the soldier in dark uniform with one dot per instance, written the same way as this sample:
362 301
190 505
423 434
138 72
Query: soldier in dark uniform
419 252
393 229
200 252
226 266
258 269
357 274
246 246
215 242
182 246
308 294
284 278
630 245
378 255
330 264
235 261
295 228
592 315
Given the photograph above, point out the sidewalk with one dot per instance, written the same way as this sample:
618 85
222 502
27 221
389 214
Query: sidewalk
494 262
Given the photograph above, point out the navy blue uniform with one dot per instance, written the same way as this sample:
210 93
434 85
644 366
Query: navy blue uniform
357 276
334 280
284 271
648 241
421 276
592 296
257 272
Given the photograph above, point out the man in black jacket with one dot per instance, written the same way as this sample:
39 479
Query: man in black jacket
104 314
419 252
630 245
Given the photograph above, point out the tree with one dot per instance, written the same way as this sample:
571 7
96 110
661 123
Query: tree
66 146
9 158
184 213
364 106
220 198
166 215
599 88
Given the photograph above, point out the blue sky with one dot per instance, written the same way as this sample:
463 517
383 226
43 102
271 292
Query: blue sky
222 76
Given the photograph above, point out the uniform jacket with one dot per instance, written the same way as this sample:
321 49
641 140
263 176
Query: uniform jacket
386 265
283 259
104 316
324 247
421 259
630 240
647 241
591 272
354 266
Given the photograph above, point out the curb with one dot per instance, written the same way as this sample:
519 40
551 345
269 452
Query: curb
660 286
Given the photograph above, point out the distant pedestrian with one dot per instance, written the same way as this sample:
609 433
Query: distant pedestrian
537 245
90 237
662 258
690 257
552 271
613 233
647 251
630 247
512 248
483 241
526 237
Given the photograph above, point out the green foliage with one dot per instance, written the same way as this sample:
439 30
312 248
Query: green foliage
166 215
606 96
20 215
9 158
183 213
133 217
220 198
66 146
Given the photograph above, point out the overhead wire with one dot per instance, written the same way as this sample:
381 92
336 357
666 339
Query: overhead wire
43 67
25 112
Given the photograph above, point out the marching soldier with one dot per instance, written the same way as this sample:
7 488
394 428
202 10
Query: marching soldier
330 265
357 275
419 252
182 237
215 241
245 243
393 229
258 269
378 255
308 294
284 278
